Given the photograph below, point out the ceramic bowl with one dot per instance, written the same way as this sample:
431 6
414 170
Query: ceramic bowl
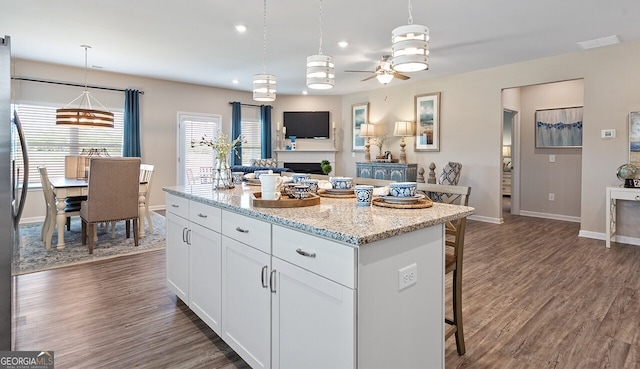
289 189
260 172
301 191
402 189
364 194
341 183
299 177
312 183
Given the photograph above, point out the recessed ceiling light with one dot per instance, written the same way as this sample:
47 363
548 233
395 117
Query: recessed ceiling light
343 44
241 28
599 42
235 81
305 92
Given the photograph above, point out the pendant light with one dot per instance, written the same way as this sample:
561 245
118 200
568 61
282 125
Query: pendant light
410 47
264 85
84 116
320 68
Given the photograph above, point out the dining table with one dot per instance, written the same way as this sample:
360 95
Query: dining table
68 187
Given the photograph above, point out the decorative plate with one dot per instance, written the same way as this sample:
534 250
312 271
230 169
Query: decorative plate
335 191
402 200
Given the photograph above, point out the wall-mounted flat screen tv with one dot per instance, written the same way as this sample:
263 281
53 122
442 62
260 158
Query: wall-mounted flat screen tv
307 124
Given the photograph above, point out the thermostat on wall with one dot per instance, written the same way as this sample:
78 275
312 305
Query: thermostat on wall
608 133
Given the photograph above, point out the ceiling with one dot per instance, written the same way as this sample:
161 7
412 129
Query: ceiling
195 41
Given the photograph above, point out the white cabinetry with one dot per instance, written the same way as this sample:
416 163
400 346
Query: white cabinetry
194 257
246 296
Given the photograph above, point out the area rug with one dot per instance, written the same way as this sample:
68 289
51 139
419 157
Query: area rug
32 256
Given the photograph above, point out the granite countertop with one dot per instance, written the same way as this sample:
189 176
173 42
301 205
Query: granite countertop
336 219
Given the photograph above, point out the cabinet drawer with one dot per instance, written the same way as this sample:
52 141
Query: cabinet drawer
177 205
323 257
247 230
206 215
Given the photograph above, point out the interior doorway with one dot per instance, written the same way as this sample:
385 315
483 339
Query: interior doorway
508 151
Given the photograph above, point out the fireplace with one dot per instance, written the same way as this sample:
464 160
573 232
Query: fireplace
313 168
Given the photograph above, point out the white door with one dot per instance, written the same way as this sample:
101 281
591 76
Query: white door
194 131
205 275
177 256
313 320
246 301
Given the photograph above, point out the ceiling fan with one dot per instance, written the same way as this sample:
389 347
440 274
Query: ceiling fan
384 73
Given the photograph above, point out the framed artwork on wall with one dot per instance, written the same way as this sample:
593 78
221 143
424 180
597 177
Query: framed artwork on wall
634 138
359 116
559 128
427 122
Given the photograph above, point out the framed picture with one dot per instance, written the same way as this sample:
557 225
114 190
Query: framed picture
428 122
559 128
634 138
359 116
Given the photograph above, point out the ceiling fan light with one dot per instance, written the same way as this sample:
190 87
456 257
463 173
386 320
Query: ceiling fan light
410 48
320 72
264 87
384 78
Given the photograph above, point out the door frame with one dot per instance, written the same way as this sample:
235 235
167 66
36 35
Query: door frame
515 158
180 134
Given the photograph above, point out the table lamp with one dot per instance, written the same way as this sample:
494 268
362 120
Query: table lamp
403 129
367 130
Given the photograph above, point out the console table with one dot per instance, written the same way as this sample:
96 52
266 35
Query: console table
389 171
613 194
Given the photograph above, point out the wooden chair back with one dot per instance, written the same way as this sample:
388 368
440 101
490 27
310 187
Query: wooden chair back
146 175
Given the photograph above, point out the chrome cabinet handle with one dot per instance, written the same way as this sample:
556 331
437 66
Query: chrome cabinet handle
202 215
272 281
638 198
189 237
242 230
264 276
184 235
307 254
175 205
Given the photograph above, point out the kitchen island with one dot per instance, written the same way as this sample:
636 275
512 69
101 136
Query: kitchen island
332 285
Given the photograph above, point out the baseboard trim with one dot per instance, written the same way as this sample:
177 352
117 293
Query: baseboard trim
535 214
481 218
602 236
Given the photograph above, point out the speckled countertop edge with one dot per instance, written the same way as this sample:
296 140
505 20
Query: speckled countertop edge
338 220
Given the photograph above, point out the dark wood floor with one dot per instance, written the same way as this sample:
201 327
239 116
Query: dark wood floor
535 296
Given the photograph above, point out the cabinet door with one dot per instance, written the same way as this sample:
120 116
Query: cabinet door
205 275
246 302
177 257
380 173
313 320
397 175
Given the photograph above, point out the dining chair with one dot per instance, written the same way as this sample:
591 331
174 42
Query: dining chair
146 175
454 244
71 209
206 174
112 195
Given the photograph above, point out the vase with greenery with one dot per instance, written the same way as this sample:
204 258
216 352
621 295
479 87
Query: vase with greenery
325 166
222 147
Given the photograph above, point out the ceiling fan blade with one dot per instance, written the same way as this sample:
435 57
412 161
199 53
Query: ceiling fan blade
368 78
360 71
400 76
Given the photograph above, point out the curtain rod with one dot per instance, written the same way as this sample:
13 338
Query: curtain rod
257 106
71 84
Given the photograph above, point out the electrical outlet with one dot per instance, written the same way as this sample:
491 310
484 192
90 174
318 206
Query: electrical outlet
552 197
552 158
407 276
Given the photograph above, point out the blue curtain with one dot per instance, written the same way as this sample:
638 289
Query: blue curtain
265 120
236 130
131 134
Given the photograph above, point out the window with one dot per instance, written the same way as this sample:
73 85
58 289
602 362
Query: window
48 144
251 146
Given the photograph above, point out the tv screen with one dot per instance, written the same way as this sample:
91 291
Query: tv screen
306 124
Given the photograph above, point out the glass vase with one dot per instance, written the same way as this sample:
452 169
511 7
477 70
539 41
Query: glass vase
222 174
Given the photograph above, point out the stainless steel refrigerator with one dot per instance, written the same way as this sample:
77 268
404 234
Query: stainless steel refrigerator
11 196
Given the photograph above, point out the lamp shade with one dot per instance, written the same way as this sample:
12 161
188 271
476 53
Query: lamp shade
84 118
320 72
403 129
367 130
384 77
264 87
410 48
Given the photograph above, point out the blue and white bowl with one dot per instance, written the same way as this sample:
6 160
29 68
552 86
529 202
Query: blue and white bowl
312 183
402 189
341 183
299 177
